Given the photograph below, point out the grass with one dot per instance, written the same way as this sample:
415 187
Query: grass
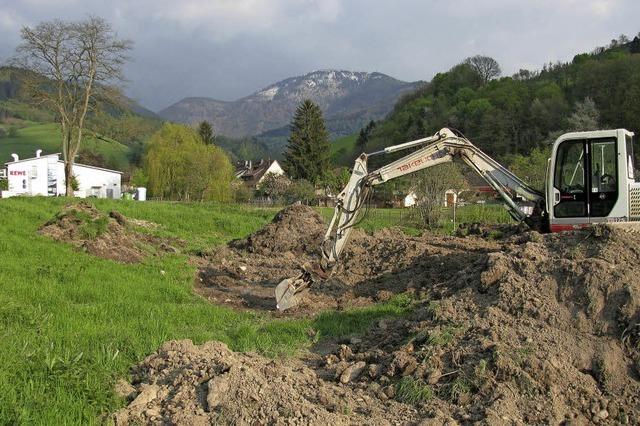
34 136
413 391
408 222
71 324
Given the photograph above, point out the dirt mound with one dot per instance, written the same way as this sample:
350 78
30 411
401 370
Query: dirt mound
539 333
296 229
108 236
373 267
529 329
209 384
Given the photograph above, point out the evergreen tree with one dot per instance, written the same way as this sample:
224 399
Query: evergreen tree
205 130
308 150
365 132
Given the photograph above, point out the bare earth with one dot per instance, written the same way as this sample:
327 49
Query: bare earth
530 329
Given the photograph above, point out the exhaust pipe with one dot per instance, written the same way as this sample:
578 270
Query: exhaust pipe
15 157
38 152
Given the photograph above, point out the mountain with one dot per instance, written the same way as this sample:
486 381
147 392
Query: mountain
348 99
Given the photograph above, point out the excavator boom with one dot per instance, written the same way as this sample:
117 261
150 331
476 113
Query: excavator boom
440 148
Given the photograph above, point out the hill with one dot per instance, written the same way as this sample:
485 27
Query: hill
513 115
114 136
348 99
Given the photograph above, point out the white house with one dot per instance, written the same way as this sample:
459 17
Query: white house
409 199
44 175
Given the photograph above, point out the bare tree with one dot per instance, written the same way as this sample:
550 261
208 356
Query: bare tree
70 67
486 67
430 186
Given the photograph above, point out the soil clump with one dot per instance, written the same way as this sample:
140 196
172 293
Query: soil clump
111 236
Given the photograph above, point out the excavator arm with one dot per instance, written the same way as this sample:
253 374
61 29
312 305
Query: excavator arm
522 201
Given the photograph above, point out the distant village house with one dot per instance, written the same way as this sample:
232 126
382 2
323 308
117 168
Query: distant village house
252 173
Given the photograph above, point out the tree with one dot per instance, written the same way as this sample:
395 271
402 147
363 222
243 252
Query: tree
430 185
274 185
585 116
300 190
308 150
180 166
531 168
365 134
72 65
205 130
486 67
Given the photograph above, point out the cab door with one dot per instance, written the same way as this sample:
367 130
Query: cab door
603 177
570 186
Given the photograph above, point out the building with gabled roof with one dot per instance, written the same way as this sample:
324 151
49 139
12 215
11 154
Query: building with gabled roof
252 173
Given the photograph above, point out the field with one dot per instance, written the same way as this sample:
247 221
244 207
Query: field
71 323
46 136
444 327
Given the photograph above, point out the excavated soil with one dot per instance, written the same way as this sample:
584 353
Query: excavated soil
530 329
111 236
244 274
209 384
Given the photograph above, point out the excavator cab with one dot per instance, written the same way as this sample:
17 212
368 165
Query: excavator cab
591 179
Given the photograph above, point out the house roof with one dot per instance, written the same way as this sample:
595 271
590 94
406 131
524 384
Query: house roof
251 172
57 155
93 167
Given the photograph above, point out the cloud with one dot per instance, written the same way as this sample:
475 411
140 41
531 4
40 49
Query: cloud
227 49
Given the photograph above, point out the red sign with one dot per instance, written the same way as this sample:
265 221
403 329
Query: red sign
18 173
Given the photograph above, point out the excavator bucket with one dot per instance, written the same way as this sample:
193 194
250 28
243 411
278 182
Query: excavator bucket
286 294
288 291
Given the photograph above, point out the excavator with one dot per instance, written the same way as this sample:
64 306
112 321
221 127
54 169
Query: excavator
590 178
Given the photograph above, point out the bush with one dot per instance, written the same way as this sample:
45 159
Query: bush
13 132
300 190
241 192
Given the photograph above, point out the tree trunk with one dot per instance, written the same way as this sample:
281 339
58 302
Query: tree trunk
68 177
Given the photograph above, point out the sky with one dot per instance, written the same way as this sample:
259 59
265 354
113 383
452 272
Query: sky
227 49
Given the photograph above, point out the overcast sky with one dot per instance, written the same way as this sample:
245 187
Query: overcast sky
227 49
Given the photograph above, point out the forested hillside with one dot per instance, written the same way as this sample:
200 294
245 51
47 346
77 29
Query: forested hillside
513 115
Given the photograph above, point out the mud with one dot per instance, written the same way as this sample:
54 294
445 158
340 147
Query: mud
111 236
526 329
